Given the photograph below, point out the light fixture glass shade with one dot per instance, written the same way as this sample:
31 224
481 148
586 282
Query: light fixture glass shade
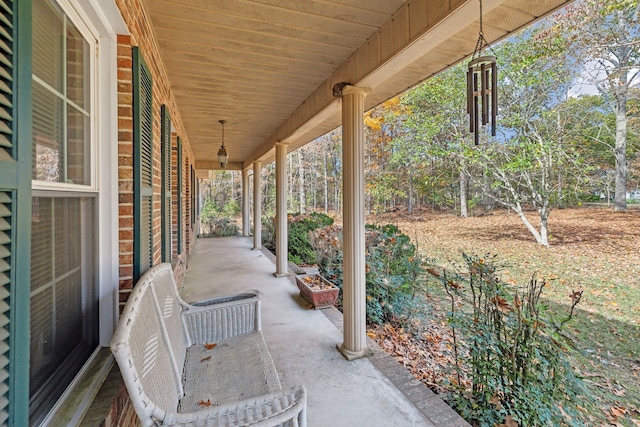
223 157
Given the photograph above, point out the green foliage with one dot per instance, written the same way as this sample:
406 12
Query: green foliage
299 226
269 232
231 209
219 222
209 211
393 269
300 250
517 365
222 227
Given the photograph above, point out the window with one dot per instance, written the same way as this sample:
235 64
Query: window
60 97
64 302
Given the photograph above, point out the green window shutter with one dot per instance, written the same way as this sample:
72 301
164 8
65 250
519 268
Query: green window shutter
166 183
180 213
193 196
142 166
15 209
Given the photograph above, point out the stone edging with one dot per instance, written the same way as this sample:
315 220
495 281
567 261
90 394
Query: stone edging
429 403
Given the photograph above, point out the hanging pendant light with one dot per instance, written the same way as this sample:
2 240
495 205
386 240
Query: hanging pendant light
223 157
482 88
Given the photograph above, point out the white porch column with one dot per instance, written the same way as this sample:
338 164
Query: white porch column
354 284
282 246
246 225
257 205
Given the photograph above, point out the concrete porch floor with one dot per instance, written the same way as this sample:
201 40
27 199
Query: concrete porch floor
373 391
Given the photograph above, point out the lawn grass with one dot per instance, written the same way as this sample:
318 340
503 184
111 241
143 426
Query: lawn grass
593 250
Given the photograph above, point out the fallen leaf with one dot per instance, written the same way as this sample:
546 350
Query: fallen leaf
495 401
619 392
501 304
209 346
205 403
617 411
205 359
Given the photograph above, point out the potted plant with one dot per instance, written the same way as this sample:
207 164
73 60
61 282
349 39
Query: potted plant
317 290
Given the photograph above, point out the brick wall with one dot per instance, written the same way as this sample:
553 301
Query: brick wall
142 36
122 413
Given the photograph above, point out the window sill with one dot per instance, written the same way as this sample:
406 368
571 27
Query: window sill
79 396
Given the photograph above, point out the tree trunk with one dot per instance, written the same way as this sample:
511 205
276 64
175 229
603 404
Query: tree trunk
302 196
487 199
621 157
559 132
325 180
538 236
544 221
410 208
463 192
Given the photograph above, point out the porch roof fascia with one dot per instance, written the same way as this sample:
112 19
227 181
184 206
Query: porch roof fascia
368 67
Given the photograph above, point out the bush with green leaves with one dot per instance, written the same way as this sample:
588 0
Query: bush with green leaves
269 232
231 209
217 221
393 269
300 225
222 227
511 354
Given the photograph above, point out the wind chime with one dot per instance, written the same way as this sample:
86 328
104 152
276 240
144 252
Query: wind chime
482 88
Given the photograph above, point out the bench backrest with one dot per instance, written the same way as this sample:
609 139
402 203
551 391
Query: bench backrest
170 312
144 345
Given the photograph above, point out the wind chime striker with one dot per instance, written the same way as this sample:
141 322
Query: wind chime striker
482 88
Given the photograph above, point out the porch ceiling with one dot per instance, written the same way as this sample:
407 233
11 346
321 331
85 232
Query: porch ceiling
268 66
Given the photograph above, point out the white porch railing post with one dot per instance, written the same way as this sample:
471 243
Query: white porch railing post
246 224
257 205
282 246
354 284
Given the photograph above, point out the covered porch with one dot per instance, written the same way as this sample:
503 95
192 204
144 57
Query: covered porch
144 85
372 391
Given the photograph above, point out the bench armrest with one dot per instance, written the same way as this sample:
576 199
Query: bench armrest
222 318
274 409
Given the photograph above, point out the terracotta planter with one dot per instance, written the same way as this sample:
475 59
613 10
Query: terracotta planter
317 290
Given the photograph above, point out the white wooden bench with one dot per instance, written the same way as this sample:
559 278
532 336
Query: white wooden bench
203 364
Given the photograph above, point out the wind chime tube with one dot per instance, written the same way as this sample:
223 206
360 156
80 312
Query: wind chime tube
476 124
484 85
494 97
470 98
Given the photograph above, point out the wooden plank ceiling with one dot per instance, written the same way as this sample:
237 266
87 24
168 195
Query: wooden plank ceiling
254 63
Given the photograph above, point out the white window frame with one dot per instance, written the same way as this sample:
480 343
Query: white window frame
99 21
80 22
107 22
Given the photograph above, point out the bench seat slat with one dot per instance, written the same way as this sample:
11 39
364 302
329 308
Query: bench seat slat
235 369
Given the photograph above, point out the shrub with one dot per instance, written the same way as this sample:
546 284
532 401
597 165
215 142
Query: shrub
393 269
231 209
222 227
513 356
300 250
299 225
269 232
